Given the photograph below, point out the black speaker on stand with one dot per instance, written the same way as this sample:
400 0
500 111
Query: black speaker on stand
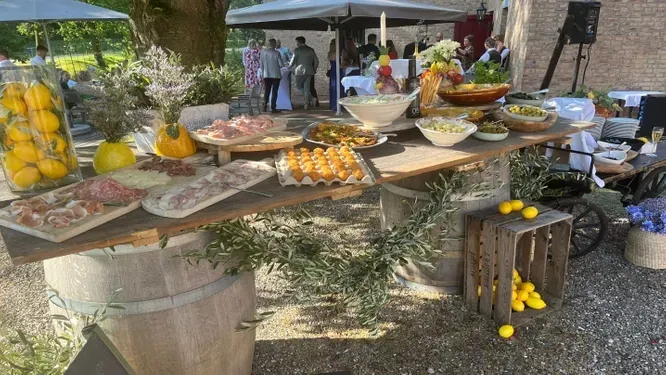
651 113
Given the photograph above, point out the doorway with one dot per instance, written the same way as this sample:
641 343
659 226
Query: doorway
480 30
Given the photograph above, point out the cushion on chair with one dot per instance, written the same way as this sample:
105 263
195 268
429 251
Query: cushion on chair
621 127
598 129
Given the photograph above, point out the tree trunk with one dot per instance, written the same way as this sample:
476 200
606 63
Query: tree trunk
196 29
97 51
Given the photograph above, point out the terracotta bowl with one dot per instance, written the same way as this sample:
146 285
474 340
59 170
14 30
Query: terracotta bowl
474 115
473 94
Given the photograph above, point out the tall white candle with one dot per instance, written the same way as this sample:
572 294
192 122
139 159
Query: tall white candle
383 29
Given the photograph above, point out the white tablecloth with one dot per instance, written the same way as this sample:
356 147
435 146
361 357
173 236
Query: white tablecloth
363 85
631 98
578 109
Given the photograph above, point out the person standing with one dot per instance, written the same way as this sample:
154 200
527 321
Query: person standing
251 56
270 63
284 51
439 37
304 63
501 48
40 57
371 47
393 52
410 49
491 55
466 52
335 75
5 62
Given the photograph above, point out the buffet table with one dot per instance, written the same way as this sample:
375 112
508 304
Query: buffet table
407 155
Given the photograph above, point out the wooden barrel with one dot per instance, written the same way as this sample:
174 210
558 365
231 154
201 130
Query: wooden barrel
396 204
178 319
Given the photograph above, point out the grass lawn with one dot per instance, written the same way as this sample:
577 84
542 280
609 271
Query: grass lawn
76 63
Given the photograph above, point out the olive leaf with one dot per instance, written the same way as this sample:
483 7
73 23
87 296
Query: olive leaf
173 131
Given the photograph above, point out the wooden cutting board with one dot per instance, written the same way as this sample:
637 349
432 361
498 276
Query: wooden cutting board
280 125
149 204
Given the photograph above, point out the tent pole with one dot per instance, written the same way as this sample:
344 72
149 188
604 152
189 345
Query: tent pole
337 66
48 42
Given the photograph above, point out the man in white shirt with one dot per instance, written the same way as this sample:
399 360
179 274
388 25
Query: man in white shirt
491 54
40 57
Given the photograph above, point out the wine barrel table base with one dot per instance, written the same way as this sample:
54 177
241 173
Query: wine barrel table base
397 200
177 318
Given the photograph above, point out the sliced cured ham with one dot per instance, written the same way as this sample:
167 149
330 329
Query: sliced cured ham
238 127
105 190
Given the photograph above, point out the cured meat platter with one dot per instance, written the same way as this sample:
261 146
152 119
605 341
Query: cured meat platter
238 130
305 167
183 199
64 213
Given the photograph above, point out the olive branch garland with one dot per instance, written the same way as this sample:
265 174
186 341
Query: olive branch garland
360 280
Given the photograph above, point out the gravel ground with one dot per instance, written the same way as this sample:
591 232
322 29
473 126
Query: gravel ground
612 312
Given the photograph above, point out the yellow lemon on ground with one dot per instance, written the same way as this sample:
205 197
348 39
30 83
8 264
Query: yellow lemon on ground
528 286
514 295
26 177
15 105
517 280
506 331
535 295
517 205
51 141
517 305
20 131
14 89
535 303
38 97
643 139
53 169
44 121
505 208
27 151
110 156
530 213
514 286
523 295
384 60
13 163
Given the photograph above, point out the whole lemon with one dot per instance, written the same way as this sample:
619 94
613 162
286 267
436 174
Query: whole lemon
517 205
523 295
13 163
384 60
535 295
111 156
44 121
14 89
517 280
27 151
51 141
514 286
517 305
27 177
528 286
20 131
506 331
530 213
38 97
70 161
643 139
514 295
15 105
505 208
53 169
515 273
535 303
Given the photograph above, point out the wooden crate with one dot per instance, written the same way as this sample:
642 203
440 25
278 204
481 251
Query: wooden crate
495 244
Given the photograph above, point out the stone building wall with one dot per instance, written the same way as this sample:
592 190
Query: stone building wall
629 53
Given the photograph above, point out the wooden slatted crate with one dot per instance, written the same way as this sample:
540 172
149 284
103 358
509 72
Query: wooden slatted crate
495 244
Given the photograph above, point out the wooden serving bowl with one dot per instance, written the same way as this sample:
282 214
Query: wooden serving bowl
474 115
474 94
526 126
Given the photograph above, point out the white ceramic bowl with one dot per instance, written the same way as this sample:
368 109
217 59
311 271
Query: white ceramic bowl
613 146
376 115
618 157
445 139
490 137
521 117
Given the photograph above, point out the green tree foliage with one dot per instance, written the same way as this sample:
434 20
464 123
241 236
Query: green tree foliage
15 42
238 37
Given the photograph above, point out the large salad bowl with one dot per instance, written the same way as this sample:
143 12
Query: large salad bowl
376 111
473 94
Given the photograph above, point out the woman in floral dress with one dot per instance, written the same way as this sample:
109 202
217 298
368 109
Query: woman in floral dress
251 56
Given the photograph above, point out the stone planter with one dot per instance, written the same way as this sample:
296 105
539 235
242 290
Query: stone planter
646 249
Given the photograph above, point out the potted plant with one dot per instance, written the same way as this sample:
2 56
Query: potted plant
441 69
168 88
115 114
208 97
646 243
604 105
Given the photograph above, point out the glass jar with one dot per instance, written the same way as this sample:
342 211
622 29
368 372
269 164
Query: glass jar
36 146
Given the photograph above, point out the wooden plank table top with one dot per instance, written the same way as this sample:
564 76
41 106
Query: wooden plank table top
641 164
407 155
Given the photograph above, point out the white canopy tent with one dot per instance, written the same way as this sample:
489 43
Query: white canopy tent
336 14
45 11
